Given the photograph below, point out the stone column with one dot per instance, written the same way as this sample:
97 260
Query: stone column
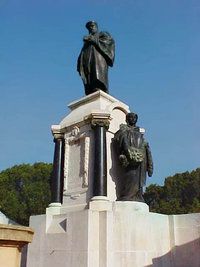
100 125
57 175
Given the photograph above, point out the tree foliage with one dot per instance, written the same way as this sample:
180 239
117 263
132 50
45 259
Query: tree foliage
25 191
180 194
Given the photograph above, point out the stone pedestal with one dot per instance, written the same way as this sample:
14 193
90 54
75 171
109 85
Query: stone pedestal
85 226
12 239
115 234
87 151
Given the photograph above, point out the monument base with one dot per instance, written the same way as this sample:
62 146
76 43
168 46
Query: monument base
114 234
89 229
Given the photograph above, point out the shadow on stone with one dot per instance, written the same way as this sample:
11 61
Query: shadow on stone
116 172
24 256
187 255
63 224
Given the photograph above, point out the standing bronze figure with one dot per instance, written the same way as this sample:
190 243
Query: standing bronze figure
96 55
135 157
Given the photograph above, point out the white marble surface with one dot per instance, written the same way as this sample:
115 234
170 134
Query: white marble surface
110 234
100 232
98 102
79 147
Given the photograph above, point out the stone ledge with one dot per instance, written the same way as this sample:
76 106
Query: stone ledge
15 233
92 97
100 203
133 206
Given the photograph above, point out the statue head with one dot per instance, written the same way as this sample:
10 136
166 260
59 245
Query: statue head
131 118
92 27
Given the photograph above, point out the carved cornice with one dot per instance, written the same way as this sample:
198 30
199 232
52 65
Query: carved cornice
58 136
100 122
98 119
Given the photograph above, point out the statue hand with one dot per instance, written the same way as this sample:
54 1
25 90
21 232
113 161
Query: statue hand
123 160
150 172
85 38
90 38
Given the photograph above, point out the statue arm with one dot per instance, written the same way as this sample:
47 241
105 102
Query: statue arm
106 45
78 64
121 146
149 161
80 67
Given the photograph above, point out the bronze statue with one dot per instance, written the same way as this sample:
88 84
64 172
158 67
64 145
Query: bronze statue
135 157
96 55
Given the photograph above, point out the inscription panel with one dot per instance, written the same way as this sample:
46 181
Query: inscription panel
76 163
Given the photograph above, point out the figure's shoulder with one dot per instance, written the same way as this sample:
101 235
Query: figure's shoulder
105 35
146 144
119 133
136 129
123 127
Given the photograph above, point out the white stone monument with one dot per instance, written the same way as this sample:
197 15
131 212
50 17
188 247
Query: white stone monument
84 225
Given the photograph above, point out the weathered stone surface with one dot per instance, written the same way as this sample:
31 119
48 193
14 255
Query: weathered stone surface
115 234
12 239
79 143
16 233
98 231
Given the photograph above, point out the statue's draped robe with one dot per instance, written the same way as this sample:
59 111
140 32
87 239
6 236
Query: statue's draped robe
94 60
134 175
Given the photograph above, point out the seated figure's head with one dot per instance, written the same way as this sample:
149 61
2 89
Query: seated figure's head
92 27
131 118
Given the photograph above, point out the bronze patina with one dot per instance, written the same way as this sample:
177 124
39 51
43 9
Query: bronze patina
96 55
134 157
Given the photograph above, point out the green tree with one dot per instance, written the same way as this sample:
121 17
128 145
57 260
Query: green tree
25 191
180 194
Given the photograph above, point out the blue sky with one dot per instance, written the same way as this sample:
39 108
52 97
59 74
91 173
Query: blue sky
156 72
